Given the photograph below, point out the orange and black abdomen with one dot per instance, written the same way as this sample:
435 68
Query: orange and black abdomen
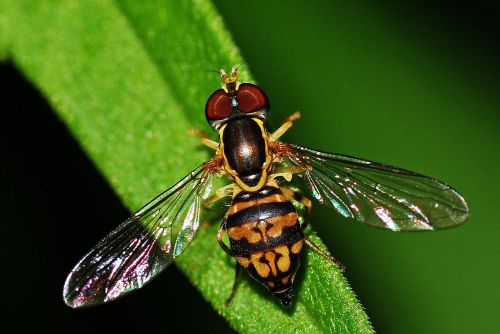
266 238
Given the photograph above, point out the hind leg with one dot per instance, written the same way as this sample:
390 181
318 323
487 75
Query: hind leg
324 254
294 195
237 278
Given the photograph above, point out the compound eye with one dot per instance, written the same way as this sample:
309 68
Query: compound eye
251 98
218 106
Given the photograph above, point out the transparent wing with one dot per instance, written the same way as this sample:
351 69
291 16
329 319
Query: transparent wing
377 194
142 246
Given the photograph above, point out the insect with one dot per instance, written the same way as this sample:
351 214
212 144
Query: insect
265 233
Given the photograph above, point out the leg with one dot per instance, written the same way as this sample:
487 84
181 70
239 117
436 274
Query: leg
327 256
294 195
219 193
220 235
237 278
204 138
285 126
285 172
291 194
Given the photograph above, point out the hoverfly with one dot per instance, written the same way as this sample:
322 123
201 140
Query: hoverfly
265 234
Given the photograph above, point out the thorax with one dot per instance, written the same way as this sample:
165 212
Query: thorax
244 145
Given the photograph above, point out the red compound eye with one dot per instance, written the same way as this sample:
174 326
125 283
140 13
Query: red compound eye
218 106
251 98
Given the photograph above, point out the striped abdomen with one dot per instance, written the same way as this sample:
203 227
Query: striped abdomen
266 238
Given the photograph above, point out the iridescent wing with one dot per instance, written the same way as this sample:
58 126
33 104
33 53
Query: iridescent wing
377 194
142 246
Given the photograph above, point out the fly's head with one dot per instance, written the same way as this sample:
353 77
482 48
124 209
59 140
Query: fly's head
235 100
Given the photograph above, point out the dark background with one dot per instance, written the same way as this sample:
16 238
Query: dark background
415 85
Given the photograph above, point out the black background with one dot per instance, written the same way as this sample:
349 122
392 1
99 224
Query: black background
50 190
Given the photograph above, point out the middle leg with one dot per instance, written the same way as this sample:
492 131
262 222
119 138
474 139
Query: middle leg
291 194
220 236
219 194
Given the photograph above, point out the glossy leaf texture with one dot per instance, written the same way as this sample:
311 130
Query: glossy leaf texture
129 79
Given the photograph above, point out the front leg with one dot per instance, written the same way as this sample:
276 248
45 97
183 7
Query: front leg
204 138
285 126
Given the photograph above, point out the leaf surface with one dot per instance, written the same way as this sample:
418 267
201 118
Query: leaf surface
129 79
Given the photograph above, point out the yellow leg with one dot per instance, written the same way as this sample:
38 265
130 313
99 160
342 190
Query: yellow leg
285 126
285 172
219 193
220 235
291 194
237 278
204 138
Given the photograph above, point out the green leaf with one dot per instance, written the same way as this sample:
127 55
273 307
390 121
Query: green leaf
129 79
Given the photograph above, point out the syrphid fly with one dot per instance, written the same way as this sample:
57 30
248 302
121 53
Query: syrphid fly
265 233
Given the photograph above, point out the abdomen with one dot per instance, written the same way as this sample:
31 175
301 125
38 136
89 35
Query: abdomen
266 238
